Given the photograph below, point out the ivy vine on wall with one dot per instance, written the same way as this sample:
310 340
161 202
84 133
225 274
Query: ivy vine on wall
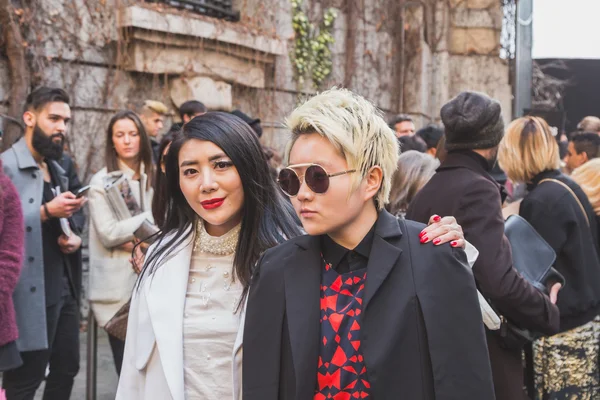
312 54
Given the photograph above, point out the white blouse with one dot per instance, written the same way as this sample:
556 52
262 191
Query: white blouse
210 327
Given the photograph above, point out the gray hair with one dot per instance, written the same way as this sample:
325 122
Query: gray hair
415 169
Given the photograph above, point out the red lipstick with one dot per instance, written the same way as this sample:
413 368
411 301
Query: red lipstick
212 203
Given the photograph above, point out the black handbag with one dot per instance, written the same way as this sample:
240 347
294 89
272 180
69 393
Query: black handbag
533 259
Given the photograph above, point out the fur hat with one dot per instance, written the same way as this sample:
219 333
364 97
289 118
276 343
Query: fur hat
472 120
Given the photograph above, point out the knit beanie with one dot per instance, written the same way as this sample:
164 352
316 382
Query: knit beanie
472 120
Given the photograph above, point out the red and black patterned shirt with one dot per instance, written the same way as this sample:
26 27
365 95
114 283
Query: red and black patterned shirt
342 372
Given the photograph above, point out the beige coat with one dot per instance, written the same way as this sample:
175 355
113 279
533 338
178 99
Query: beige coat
153 360
111 277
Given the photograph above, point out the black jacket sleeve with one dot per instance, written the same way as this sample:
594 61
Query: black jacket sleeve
265 313
454 328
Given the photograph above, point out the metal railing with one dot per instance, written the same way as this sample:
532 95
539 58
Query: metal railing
222 9
92 357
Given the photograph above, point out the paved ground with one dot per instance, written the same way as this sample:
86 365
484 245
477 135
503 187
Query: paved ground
107 377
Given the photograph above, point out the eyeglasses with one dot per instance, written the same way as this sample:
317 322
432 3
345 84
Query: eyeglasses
316 178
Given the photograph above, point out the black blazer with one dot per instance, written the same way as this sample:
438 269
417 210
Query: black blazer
422 333
73 262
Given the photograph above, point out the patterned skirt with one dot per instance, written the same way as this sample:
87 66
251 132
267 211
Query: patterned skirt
566 365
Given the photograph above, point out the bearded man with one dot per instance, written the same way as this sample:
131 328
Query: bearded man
47 294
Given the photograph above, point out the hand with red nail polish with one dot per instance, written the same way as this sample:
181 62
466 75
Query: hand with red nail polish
443 230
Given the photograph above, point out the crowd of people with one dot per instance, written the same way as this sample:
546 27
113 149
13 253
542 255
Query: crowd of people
370 260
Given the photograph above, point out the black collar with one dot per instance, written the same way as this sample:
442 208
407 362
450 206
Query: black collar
334 252
473 161
386 227
548 174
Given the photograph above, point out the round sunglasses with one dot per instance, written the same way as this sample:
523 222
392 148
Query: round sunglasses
315 176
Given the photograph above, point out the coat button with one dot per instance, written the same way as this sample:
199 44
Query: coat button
28 229
34 175
31 259
32 289
30 201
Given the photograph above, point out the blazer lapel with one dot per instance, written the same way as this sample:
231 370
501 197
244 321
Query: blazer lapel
302 296
166 293
384 254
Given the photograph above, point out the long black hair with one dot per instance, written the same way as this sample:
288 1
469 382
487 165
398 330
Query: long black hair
268 218
159 201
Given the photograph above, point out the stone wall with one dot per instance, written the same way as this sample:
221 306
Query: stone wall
115 54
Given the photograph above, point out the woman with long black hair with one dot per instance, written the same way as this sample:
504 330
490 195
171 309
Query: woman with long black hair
223 211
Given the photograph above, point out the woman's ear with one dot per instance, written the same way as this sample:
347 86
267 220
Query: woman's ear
373 180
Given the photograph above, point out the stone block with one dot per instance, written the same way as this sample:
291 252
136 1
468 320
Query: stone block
477 18
87 140
216 95
475 4
190 24
489 75
89 86
160 59
467 41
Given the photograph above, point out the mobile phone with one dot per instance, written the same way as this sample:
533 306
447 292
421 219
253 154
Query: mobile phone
81 192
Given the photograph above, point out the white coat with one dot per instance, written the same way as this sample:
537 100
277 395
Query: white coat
111 276
153 360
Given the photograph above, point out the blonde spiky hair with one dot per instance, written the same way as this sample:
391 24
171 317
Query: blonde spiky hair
155 106
356 128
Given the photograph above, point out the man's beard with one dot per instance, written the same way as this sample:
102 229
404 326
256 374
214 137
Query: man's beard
45 145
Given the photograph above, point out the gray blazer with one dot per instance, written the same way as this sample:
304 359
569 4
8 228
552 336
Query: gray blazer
29 295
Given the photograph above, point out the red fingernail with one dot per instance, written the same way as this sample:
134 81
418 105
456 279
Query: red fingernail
437 241
437 218
453 244
422 234
424 239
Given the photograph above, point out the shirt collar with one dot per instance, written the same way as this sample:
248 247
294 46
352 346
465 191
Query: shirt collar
334 253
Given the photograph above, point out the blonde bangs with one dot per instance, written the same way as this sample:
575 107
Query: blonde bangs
355 127
528 148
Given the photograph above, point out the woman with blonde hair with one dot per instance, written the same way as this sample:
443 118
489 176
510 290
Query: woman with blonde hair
561 213
588 177
415 169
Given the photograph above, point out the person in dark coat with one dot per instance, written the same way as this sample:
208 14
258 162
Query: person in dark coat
561 213
463 187
359 307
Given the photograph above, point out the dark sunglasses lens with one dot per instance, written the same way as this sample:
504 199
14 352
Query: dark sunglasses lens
288 181
317 179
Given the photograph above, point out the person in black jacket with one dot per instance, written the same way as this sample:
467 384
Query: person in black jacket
565 365
464 187
359 307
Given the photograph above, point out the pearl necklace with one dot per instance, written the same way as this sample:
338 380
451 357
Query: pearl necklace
218 245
